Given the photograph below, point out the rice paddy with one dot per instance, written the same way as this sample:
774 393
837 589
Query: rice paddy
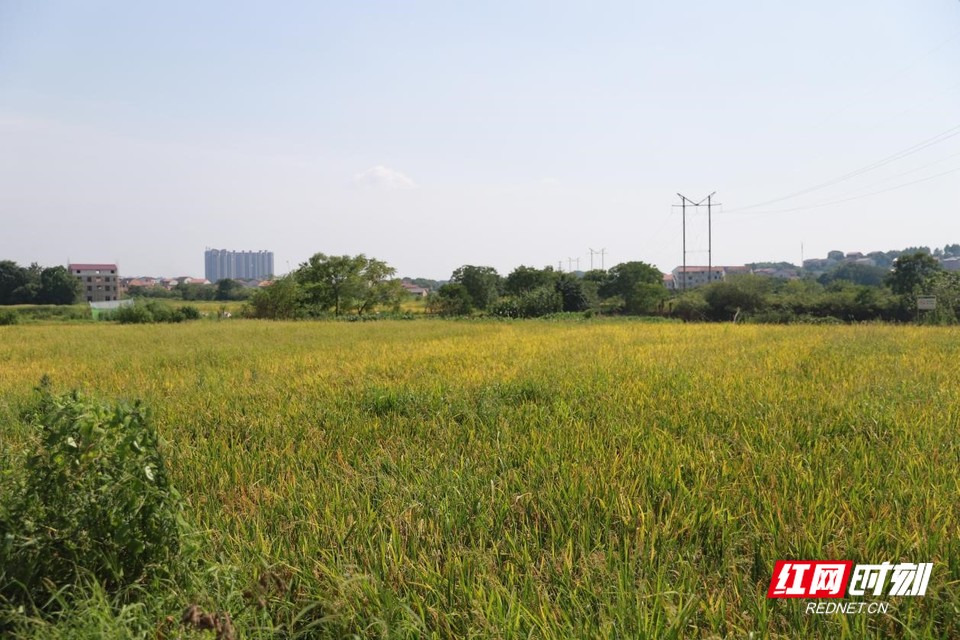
594 479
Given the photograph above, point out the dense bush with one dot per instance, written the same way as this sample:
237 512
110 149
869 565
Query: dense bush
92 500
49 312
753 299
572 293
738 296
281 300
530 304
8 317
153 311
452 299
131 314
689 306
186 312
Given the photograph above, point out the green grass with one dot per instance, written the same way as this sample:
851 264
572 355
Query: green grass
528 479
45 313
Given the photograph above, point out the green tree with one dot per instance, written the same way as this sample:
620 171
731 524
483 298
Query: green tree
945 286
622 279
523 279
196 291
573 295
726 300
379 289
913 273
345 282
530 304
482 284
864 274
280 300
595 275
451 299
745 294
590 285
228 289
690 306
639 284
12 278
57 286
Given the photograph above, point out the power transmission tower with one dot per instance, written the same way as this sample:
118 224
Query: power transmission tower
591 258
684 203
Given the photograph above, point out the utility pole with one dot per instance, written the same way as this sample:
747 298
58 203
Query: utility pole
602 253
683 272
560 266
709 240
591 258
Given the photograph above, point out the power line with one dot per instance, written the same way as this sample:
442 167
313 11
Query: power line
906 173
841 201
856 195
870 89
903 153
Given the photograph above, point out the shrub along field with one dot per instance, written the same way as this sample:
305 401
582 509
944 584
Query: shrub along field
457 479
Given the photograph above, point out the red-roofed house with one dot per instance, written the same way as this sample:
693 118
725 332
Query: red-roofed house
414 290
98 282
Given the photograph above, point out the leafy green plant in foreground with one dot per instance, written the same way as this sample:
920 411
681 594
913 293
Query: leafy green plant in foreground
93 500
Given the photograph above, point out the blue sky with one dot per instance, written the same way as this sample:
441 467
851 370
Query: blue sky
434 134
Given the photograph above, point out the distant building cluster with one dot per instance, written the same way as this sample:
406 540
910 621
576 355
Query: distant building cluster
98 282
835 258
131 285
693 276
947 258
220 264
165 283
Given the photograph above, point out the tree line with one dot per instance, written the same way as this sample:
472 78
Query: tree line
223 290
848 293
339 285
358 285
329 285
36 284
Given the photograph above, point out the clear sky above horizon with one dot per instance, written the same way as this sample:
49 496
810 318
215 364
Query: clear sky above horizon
436 134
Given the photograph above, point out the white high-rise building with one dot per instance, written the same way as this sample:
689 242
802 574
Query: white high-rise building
220 264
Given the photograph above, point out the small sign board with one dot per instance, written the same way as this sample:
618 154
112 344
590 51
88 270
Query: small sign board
926 303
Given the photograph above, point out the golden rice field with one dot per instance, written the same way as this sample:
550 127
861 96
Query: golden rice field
480 479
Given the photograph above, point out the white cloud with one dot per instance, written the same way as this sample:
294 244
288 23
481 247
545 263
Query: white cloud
381 177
